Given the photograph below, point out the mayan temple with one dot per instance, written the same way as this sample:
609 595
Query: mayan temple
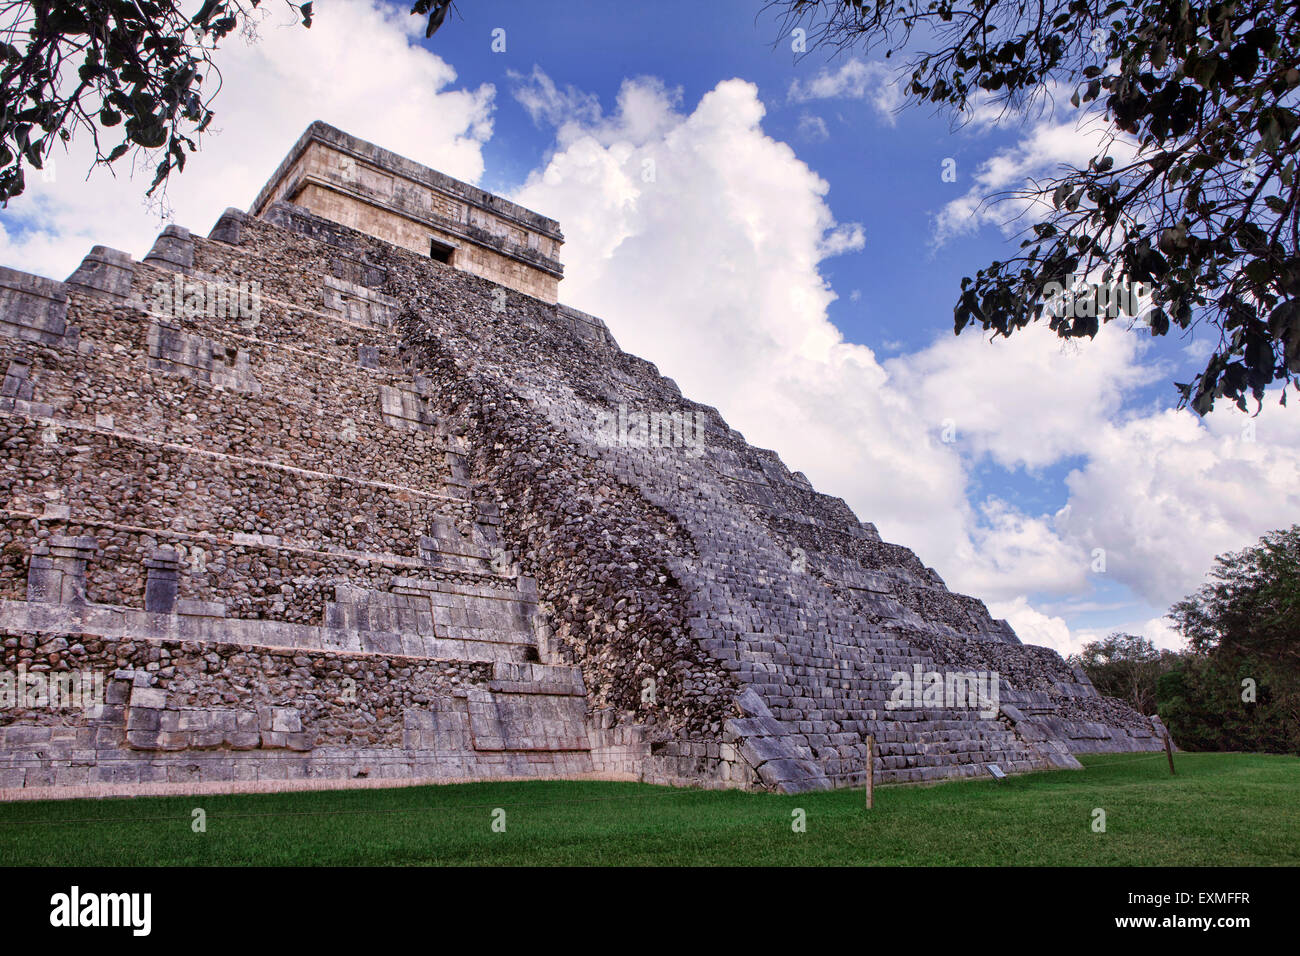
342 493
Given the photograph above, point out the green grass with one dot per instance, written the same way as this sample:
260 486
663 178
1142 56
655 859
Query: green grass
1221 809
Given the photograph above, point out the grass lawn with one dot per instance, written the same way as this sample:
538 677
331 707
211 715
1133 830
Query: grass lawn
1221 809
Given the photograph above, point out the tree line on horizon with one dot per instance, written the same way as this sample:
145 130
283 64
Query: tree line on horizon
1236 686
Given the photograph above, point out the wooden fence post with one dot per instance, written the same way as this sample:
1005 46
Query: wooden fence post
871 771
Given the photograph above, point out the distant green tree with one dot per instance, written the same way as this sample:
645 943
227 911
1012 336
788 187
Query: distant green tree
1200 701
1250 606
1126 666
1239 687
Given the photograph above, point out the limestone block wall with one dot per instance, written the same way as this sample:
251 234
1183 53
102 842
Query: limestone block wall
404 467
278 569
190 712
34 309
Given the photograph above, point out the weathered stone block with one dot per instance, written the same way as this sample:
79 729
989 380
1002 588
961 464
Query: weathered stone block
173 249
148 697
104 271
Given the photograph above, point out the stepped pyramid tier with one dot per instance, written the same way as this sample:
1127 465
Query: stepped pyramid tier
309 502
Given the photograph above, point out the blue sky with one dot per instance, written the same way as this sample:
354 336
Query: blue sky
793 262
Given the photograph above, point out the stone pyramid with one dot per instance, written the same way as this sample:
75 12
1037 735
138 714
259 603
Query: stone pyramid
340 494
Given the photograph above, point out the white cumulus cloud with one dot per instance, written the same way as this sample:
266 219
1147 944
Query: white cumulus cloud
710 267
854 79
1162 494
1034 627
